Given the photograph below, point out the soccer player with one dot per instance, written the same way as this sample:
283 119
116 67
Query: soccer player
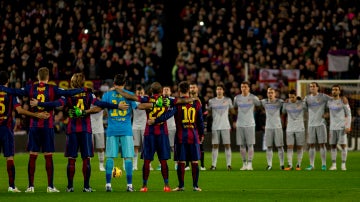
219 108
98 136
315 103
194 93
78 132
7 104
340 124
119 131
170 122
138 127
273 127
295 129
41 132
190 129
244 104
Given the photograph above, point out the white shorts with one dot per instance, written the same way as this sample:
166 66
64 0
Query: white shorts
298 137
317 133
99 140
225 136
274 136
337 137
245 135
172 137
138 137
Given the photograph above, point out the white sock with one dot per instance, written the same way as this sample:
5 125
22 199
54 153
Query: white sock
243 153
323 155
269 156
290 153
281 155
312 153
250 153
228 156
215 153
344 155
101 157
333 155
300 153
135 160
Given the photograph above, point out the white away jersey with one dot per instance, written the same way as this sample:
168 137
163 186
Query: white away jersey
316 107
295 116
339 114
220 112
245 106
139 119
272 110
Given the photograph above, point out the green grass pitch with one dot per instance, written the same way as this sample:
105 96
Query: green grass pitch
219 185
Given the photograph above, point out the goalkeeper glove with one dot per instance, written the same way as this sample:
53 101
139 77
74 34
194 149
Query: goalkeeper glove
76 112
159 102
162 102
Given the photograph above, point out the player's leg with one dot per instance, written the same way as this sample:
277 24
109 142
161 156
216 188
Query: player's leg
269 138
240 140
127 152
137 142
71 153
180 157
99 142
279 143
48 149
290 140
322 139
86 143
193 151
300 142
333 141
225 135
250 141
33 147
7 145
148 156
343 143
111 152
215 139
312 150
164 153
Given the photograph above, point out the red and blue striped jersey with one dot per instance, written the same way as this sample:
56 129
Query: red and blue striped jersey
83 101
189 122
161 127
7 104
42 92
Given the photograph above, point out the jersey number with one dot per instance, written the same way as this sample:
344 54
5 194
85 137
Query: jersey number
189 114
80 104
2 105
118 112
156 112
40 98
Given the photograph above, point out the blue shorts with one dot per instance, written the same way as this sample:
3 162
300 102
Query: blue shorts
7 141
124 142
82 141
187 152
41 139
156 143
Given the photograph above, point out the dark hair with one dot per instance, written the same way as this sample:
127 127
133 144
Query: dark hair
245 83
4 77
337 86
221 86
119 80
140 88
184 87
292 92
156 88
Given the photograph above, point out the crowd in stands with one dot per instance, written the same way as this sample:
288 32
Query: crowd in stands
219 38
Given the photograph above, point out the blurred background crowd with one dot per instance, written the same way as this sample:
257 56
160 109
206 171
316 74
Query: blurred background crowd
203 41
